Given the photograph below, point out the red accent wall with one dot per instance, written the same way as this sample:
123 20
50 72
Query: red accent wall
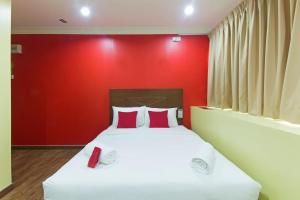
60 90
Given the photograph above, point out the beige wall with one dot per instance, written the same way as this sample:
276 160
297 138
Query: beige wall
265 149
5 111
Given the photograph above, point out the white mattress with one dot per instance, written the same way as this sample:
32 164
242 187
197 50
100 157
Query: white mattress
153 164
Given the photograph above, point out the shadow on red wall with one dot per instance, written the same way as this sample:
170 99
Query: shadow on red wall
60 90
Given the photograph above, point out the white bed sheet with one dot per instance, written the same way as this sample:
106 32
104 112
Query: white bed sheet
152 164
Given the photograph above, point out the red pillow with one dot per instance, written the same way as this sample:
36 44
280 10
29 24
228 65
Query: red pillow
127 119
158 119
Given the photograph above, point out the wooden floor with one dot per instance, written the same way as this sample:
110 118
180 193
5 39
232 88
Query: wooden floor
31 168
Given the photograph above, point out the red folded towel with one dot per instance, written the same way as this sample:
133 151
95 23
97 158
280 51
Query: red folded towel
94 157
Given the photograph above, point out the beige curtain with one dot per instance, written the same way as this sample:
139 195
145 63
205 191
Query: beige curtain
254 62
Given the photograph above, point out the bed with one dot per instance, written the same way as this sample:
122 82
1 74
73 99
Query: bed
152 164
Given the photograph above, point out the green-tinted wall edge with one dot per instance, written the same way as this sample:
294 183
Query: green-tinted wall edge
265 149
5 94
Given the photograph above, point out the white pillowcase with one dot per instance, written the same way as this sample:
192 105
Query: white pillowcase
172 112
140 118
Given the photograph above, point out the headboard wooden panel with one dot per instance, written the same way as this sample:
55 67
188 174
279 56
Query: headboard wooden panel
158 98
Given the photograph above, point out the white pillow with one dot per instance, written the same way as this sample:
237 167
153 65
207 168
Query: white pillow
140 118
172 119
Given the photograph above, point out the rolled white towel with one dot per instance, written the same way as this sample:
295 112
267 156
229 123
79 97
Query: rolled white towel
204 159
108 155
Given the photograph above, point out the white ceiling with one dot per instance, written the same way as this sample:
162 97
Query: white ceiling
119 16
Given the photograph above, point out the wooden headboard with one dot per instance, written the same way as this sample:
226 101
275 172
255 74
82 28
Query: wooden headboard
158 98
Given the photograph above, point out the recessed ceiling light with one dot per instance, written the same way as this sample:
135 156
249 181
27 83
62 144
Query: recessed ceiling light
85 11
189 10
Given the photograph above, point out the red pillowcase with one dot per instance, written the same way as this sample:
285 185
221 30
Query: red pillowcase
158 119
127 119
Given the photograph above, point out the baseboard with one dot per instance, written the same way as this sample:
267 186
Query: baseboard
6 190
15 147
